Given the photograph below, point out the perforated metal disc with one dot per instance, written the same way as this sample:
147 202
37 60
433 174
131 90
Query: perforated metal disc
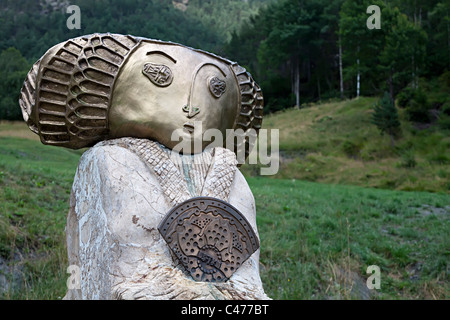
209 237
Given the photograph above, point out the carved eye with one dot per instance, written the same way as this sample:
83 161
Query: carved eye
217 87
159 74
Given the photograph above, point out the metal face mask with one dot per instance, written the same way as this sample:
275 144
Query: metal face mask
165 87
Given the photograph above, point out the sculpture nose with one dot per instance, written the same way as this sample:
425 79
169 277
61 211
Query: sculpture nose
217 89
191 110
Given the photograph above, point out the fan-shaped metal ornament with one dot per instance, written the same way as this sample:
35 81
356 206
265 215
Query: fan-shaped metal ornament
209 237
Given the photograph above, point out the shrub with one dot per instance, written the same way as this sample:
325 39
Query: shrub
418 109
444 116
408 159
351 149
385 117
404 97
13 71
416 104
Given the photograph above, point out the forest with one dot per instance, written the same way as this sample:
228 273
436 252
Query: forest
299 51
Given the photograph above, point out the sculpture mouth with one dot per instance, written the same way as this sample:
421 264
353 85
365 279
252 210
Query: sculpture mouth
189 127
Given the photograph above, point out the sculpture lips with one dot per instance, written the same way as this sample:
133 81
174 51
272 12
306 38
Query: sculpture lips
189 126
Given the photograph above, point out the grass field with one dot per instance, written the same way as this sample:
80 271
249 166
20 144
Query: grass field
317 239
35 183
336 143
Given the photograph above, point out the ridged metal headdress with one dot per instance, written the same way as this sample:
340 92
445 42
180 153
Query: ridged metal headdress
67 94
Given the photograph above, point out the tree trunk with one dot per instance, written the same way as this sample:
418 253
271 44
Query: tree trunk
358 80
448 41
297 84
341 78
391 88
391 135
318 87
358 76
308 68
420 16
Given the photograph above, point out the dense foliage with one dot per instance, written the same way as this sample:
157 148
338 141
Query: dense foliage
296 47
299 51
32 27
13 70
224 17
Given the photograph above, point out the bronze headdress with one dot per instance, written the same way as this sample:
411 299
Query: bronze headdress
67 96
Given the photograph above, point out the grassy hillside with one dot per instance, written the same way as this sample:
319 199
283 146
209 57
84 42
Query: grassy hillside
317 240
336 143
35 183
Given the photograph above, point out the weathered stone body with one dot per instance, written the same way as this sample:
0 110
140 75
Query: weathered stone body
122 190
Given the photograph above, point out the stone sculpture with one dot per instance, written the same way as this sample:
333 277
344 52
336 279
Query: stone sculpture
152 217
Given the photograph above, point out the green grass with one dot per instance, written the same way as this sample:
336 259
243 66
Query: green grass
35 183
317 240
336 143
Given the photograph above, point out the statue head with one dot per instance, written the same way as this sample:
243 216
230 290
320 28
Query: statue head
105 86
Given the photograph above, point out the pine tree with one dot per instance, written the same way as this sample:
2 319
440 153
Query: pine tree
13 69
385 117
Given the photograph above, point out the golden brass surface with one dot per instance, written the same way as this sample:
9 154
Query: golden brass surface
104 86
155 110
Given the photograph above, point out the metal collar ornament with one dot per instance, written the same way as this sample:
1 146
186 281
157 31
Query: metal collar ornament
103 86
209 237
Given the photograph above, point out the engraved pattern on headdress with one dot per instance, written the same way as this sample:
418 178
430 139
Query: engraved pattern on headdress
65 98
